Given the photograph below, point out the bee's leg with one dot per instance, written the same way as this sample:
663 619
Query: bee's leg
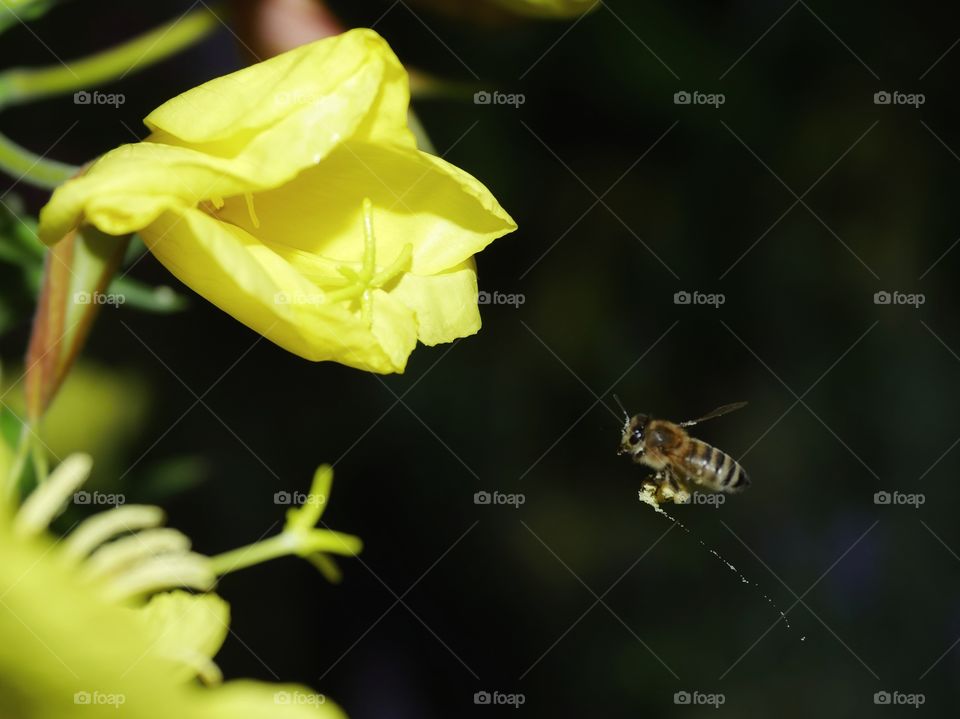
674 489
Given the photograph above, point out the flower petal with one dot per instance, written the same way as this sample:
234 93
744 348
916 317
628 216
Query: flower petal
251 130
247 279
129 187
299 103
189 628
445 304
255 700
446 214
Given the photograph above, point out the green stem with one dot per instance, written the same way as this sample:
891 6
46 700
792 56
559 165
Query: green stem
312 544
39 171
279 546
41 467
19 461
20 85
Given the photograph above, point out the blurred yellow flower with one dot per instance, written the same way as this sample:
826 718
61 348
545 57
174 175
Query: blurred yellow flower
291 194
550 8
79 637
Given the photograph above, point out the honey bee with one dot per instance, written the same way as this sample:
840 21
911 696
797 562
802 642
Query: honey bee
677 459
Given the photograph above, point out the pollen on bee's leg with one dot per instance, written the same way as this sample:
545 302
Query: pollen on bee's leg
248 196
648 494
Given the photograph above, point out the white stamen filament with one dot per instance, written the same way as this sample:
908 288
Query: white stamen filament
47 501
125 554
191 570
97 529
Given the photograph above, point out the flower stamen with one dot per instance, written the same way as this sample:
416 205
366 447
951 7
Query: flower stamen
253 213
367 279
300 537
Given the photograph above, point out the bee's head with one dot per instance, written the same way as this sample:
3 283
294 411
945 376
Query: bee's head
632 440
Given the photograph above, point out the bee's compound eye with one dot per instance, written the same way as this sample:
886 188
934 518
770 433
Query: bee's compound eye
636 435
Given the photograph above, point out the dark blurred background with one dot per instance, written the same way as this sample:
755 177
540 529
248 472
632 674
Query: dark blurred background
797 199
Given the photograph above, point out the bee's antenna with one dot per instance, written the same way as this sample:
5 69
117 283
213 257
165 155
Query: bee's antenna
622 408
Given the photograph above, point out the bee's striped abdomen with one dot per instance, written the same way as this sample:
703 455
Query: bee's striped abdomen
714 469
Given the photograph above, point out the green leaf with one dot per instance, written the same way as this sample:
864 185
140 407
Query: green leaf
10 427
25 10
136 294
171 477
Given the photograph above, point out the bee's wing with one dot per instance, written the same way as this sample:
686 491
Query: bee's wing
718 412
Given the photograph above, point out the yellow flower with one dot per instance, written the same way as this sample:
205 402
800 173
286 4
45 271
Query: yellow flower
291 194
79 640
551 8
